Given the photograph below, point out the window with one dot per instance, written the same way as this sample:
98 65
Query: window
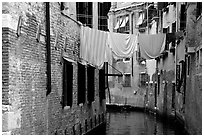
62 6
124 26
143 78
197 57
127 82
84 13
103 9
199 9
198 60
183 17
173 96
188 67
81 83
91 83
173 31
118 60
127 59
166 30
102 84
178 78
158 83
200 57
67 83
155 94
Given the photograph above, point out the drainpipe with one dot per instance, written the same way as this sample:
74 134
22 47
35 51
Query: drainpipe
48 58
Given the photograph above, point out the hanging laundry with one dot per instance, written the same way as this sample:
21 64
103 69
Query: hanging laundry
169 17
151 46
140 19
122 45
180 48
153 29
172 13
93 46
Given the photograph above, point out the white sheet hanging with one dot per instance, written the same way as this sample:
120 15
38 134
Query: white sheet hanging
122 45
140 19
93 45
151 46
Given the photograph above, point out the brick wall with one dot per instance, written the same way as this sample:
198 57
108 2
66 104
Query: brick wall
26 70
193 106
27 109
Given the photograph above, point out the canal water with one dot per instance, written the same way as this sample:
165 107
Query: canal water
137 123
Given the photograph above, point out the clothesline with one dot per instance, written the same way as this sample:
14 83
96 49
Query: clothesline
99 46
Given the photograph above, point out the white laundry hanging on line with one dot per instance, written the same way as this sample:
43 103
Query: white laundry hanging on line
169 17
93 45
151 46
122 45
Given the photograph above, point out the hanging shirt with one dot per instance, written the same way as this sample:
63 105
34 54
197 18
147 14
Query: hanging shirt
122 45
93 46
180 54
151 46
169 17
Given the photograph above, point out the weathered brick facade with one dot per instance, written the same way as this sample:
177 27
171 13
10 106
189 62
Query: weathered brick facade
193 106
26 108
186 103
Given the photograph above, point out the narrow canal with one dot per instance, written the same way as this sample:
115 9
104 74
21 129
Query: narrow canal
137 123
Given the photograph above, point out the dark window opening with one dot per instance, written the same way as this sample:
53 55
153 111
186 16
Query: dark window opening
62 7
103 9
91 83
118 60
183 17
155 94
102 84
199 9
81 83
188 67
84 13
173 96
173 31
127 59
158 83
67 84
166 30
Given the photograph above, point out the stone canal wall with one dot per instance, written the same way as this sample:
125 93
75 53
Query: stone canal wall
27 108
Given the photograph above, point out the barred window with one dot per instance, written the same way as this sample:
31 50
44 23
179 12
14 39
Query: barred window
103 9
84 13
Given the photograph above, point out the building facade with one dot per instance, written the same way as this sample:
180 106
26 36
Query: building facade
45 87
173 85
123 19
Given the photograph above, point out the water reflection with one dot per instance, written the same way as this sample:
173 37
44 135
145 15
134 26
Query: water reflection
138 123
